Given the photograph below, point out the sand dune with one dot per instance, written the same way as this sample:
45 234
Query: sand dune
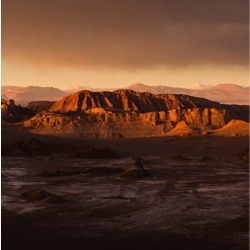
183 129
234 128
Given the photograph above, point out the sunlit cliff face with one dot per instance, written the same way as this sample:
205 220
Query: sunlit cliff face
108 43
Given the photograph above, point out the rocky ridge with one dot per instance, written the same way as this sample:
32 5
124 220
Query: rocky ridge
126 113
127 101
223 93
38 106
10 112
24 95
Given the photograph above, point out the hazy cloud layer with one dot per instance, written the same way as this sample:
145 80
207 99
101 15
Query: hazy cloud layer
126 34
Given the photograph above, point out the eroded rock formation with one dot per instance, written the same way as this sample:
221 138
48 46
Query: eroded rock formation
127 100
13 113
126 113
38 195
38 106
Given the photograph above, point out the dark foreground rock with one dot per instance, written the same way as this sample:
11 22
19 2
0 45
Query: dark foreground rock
136 171
38 106
38 195
12 113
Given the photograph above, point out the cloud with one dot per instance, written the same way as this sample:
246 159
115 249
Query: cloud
127 34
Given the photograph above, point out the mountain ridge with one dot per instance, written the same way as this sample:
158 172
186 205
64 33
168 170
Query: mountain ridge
126 113
127 100
223 93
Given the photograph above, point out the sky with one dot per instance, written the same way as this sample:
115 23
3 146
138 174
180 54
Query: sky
115 43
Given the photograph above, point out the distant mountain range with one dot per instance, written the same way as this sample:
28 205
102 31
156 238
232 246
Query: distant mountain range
223 93
24 95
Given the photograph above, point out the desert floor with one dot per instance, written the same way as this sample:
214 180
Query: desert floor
198 197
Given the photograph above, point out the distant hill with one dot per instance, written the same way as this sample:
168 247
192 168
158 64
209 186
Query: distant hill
223 93
24 95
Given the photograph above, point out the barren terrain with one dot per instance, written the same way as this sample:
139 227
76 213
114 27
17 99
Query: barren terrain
197 197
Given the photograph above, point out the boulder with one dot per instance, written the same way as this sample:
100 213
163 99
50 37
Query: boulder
39 195
136 171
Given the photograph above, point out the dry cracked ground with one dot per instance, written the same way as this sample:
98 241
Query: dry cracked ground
188 203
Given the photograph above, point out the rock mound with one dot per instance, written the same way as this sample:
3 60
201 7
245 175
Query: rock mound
183 129
234 128
13 113
136 171
38 106
38 195
126 113
115 125
127 100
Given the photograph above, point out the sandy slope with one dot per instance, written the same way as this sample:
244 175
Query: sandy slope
183 129
234 128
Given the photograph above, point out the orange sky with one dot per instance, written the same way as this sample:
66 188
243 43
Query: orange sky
114 43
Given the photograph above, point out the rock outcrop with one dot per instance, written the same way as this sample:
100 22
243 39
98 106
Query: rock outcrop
136 171
183 129
112 125
127 101
38 195
234 128
126 113
13 113
38 106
